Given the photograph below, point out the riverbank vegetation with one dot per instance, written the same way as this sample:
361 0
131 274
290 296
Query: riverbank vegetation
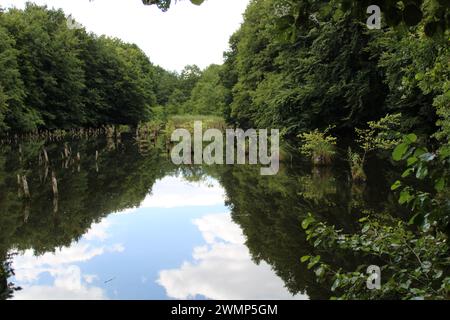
56 77
312 69
303 66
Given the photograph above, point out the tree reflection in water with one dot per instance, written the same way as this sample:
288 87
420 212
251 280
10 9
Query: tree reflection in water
113 175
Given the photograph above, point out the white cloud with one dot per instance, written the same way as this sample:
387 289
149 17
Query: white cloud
223 269
218 227
89 278
68 280
172 192
176 192
186 34
29 267
67 286
98 231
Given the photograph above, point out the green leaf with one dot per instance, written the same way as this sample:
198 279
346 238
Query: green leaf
419 152
419 76
444 152
320 272
399 151
440 185
422 172
407 173
366 228
305 258
411 161
397 184
313 261
336 284
410 138
405 197
197 2
307 222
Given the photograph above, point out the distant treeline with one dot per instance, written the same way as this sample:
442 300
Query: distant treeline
56 75
280 72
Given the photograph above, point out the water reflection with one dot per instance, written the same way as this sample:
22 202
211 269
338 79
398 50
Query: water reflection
128 225
126 248
222 268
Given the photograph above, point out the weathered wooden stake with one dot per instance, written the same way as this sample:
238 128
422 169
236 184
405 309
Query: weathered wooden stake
55 205
45 155
26 212
66 150
54 185
26 190
45 174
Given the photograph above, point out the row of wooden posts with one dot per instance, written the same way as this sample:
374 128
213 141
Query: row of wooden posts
44 159
54 135
25 190
145 135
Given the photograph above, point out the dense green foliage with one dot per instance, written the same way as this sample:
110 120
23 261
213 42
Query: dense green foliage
208 95
302 66
57 77
334 71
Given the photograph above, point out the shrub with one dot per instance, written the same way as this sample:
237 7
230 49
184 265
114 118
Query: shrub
320 146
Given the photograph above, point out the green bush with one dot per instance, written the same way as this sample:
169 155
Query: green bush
320 146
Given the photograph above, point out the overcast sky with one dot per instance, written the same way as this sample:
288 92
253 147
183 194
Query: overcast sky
186 34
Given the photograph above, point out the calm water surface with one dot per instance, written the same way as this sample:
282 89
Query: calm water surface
131 225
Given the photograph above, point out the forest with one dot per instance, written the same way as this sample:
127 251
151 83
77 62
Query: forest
57 77
340 93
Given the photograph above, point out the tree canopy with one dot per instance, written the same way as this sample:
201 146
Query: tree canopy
55 76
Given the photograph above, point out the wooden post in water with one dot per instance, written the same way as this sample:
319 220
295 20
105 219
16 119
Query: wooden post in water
19 184
55 205
66 151
26 190
54 185
20 153
26 211
45 173
45 155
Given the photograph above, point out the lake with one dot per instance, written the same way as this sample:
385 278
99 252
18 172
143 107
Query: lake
128 224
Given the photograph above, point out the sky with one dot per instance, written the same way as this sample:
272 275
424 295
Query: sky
173 246
186 34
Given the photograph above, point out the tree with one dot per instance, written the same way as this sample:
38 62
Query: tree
56 77
165 82
13 112
208 95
